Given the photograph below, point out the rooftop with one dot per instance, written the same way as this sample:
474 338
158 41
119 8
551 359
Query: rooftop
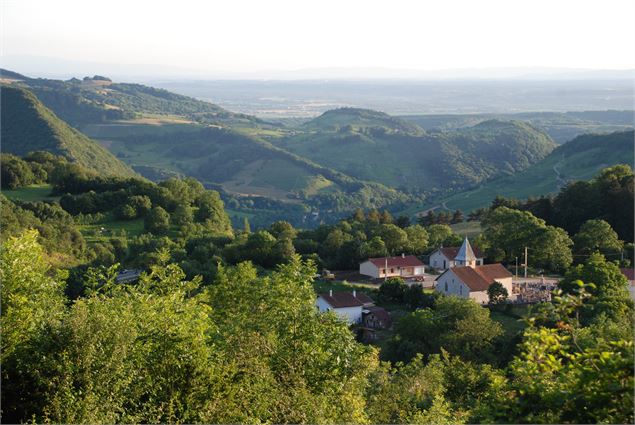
401 261
479 278
343 299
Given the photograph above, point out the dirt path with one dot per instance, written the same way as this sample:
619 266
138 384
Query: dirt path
560 181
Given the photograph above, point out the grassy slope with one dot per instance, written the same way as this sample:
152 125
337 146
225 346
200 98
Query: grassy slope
580 159
360 118
88 101
429 161
237 160
561 126
27 125
32 193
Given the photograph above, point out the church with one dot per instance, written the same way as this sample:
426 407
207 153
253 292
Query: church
469 279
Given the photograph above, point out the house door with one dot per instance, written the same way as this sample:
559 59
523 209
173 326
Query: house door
444 264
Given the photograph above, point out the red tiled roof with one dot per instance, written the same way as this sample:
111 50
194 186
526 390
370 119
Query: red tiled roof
406 261
344 299
479 278
629 273
451 251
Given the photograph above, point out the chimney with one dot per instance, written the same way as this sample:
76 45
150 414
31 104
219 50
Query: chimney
403 255
354 293
330 292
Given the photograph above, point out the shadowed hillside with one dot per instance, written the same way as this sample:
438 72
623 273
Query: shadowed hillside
27 125
580 159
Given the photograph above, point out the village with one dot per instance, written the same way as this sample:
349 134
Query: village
450 271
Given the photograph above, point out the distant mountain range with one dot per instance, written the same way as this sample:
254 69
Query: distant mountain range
54 67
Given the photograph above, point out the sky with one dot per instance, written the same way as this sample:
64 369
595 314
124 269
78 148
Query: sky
234 36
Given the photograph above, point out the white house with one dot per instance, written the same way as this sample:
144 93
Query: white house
347 305
444 258
403 266
473 281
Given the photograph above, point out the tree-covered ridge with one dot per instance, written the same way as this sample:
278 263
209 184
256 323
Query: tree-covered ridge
561 126
98 99
28 125
253 348
440 161
357 118
580 159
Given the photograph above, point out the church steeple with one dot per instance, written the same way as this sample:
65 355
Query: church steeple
466 256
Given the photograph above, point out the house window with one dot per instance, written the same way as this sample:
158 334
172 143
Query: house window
446 286
392 270
460 290
383 271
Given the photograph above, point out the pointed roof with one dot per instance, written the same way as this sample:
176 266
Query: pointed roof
479 278
465 254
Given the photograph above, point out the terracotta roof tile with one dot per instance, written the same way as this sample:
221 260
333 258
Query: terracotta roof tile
479 278
406 261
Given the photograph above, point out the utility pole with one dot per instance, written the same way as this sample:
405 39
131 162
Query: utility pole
386 270
516 266
525 262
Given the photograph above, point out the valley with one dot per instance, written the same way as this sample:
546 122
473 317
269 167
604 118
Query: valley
311 169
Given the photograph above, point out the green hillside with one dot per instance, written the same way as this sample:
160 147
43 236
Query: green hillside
425 162
560 126
357 118
240 164
579 159
27 125
98 100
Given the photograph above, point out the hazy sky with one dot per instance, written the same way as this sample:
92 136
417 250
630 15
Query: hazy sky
245 36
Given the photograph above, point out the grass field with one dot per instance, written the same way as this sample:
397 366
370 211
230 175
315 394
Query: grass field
467 228
33 193
104 230
325 285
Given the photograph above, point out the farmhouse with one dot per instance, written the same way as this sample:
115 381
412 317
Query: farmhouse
444 258
347 305
403 266
473 281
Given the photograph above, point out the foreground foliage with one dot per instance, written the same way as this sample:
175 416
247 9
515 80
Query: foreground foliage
254 349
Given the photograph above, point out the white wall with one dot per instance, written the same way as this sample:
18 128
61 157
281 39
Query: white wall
369 269
436 260
454 285
459 289
347 314
507 283
480 297
419 270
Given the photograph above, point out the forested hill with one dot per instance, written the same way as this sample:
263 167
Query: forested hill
438 161
98 99
357 118
28 125
561 126
579 159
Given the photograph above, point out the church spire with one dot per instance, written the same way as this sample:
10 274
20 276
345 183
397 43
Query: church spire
466 256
